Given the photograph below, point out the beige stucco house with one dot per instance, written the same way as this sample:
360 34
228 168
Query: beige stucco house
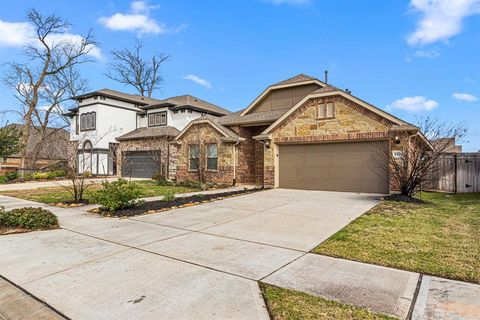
299 133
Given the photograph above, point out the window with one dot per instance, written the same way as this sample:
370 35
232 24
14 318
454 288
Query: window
157 119
189 110
193 157
175 111
88 121
212 157
326 111
77 124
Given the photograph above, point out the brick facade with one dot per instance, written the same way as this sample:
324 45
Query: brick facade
168 151
351 122
207 134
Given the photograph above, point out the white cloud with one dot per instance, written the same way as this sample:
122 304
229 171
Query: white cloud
137 20
292 2
466 97
19 34
414 104
440 19
198 80
427 54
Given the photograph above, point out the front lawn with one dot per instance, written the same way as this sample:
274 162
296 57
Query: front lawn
148 188
286 304
440 237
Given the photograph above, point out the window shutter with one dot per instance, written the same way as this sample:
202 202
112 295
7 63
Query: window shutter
321 111
330 110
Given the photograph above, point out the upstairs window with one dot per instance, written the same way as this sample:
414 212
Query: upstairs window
326 111
193 157
212 157
88 121
157 119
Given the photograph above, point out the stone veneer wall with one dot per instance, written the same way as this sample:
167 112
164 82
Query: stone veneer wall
351 122
167 149
250 155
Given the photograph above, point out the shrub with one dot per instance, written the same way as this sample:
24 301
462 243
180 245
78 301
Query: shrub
3 179
190 184
118 194
55 174
28 176
169 195
12 175
28 218
40 175
158 176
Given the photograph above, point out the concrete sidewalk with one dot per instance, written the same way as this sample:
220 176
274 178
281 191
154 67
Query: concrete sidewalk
203 262
16 304
52 184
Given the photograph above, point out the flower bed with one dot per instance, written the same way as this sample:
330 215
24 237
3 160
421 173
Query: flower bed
151 207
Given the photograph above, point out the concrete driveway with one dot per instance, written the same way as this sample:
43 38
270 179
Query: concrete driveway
199 262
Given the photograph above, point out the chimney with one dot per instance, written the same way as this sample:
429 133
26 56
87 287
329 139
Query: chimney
326 76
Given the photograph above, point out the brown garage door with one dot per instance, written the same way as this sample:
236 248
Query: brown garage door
355 167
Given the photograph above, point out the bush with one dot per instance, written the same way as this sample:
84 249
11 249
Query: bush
7 177
12 175
40 175
55 174
169 195
28 218
190 184
118 194
28 176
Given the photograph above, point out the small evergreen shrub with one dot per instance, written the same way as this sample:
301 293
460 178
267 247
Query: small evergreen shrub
28 218
118 194
168 196
3 179
12 175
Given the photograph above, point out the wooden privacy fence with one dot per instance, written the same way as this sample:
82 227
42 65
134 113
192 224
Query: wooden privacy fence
456 173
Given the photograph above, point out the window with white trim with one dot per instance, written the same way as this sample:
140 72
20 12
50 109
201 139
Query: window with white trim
326 111
212 156
193 157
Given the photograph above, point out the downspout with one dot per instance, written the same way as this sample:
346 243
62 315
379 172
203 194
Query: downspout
235 162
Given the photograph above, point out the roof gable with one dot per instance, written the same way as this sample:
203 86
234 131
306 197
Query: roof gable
331 91
296 81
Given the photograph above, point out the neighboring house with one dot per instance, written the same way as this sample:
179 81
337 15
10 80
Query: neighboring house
108 126
299 133
51 152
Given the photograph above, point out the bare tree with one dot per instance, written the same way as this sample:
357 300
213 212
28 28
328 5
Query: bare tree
50 56
412 162
131 69
195 154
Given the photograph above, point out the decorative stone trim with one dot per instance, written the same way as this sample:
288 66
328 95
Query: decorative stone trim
334 137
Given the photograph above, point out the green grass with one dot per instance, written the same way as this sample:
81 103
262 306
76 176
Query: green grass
440 237
149 188
285 304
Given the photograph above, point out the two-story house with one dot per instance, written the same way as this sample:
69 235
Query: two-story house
119 133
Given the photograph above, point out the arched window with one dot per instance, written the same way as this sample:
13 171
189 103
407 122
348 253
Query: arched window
88 121
87 146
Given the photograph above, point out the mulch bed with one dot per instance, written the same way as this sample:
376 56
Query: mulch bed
70 204
402 198
181 202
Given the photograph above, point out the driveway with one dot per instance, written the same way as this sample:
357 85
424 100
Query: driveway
199 262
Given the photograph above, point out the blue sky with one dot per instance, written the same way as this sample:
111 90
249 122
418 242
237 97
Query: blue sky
413 58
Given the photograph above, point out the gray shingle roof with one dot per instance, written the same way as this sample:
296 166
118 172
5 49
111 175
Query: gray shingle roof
135 98
267 116
298 78
149 132
54 147
189 101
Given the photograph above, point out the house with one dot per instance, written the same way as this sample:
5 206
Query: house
299 133
110 129
39 156
448 145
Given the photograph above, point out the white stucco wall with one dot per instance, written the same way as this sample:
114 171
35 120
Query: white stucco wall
177 120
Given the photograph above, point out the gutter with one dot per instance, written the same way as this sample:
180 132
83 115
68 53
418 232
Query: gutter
235 162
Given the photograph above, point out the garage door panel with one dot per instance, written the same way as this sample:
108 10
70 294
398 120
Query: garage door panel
139 164
356 167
